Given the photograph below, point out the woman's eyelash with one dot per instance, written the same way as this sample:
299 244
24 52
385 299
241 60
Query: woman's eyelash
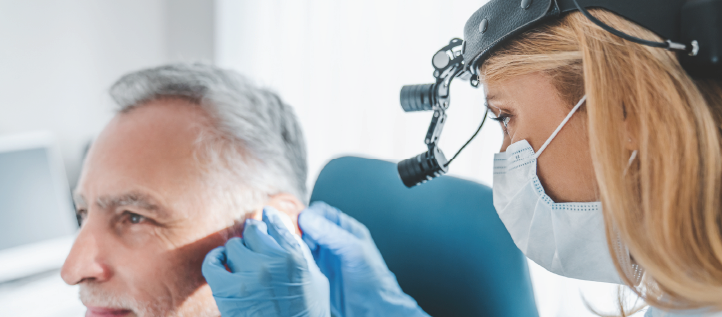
503 118
498 118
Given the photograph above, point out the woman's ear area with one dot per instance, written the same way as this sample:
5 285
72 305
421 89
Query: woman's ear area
287 204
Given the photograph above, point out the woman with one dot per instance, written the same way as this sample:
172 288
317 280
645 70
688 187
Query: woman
646 144
594 124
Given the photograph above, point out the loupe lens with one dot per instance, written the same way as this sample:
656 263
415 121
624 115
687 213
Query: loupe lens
418 97
422 168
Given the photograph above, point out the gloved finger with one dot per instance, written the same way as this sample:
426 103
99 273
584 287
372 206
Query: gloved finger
343 220
227 284
280 226
325 234
214 258
254 305
257 239
240 259
278 229
214 270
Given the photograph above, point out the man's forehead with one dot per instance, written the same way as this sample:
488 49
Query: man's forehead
162 129
155 137
149 148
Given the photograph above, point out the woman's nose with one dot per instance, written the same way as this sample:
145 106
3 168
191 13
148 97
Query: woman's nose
506 143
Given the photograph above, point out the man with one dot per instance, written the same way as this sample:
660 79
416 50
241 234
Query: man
192 152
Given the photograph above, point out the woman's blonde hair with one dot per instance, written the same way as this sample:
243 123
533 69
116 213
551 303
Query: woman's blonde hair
665 210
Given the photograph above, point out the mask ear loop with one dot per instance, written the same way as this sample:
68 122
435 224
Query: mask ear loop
629 163
561 125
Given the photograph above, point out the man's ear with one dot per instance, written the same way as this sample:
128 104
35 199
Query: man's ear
288 204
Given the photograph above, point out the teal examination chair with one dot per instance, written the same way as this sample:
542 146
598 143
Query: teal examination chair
443 239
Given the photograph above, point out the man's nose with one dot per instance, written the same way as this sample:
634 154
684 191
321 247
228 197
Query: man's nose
85 262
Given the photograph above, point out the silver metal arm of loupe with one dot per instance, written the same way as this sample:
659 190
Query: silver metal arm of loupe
448 64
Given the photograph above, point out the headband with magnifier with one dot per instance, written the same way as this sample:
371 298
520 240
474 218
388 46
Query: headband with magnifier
692 28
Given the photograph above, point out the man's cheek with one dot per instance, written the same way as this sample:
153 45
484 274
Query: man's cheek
184 234
191 255
137 236
166 238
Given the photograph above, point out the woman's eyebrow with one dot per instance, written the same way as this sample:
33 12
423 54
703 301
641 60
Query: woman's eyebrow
491 108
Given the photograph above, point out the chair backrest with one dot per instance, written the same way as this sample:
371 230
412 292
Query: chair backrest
443 240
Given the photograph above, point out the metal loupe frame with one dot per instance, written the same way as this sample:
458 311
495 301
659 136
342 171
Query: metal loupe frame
448 63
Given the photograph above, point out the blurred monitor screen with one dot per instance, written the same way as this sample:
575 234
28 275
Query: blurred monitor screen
38 221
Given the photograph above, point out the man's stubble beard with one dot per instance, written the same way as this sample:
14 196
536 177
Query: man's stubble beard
192 306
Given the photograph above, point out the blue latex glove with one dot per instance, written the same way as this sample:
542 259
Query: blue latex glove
361 284
272 273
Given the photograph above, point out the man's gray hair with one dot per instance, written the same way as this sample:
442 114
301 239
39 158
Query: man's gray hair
256 138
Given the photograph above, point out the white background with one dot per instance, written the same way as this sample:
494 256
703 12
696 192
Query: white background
58 59
339 63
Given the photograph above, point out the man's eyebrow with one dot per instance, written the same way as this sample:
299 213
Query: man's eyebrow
136 199
78 199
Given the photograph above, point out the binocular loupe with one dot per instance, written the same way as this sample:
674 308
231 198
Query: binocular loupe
448 63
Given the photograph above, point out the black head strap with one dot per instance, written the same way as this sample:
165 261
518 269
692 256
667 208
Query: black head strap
499 20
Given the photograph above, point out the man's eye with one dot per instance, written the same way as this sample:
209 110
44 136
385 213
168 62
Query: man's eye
80 215
135 218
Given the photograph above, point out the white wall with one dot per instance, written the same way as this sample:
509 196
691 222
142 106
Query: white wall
58 59
341 65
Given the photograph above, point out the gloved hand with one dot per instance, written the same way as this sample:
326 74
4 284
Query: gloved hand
272 273
361 284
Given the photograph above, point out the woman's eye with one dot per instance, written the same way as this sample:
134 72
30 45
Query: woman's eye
135 218
503 118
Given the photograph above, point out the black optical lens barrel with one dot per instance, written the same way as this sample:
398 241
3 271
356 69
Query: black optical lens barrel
418 97
422 167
